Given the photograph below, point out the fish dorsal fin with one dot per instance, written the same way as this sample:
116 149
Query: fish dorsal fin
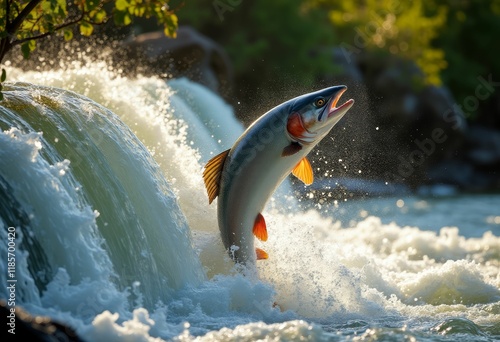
261 254
303 171
212 173
259 228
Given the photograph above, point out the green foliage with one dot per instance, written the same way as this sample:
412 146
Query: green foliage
23 22
451 41
126 10
468 40
279 43
402 28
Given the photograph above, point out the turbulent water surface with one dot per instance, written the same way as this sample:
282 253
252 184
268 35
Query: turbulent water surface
101 177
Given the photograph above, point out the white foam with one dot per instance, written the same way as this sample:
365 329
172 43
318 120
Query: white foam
36 184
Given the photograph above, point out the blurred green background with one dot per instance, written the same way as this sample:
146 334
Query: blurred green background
280 45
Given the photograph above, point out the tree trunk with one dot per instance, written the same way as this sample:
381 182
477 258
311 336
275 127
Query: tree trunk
5 46
12 27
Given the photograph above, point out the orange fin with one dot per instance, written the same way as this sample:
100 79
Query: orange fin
291 149
303 171
259 228
261 254
212 173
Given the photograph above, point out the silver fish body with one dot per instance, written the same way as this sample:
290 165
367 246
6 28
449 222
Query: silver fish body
263 156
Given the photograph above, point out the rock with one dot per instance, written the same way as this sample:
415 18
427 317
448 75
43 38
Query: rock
190 54
438 104
451 172
36 328
483 146
465 175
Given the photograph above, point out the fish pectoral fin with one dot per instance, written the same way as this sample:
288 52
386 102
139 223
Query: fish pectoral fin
212 174
261 254
291 149
259 228
303 171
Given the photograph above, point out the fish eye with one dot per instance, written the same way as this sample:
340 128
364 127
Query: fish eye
319 102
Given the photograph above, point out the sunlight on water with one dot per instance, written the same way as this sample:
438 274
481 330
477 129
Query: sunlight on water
354 270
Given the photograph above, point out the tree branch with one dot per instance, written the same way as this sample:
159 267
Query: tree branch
7 14
11 28
43 35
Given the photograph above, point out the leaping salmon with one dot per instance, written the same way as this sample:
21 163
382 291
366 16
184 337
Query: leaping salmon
246 175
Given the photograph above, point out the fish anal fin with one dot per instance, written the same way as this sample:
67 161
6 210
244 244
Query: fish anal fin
261 254
212 174
291 149
303 171
259 228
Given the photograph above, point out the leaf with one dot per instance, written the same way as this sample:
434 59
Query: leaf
46 6
2 22
127 19
99 16
91 4
62 4
86 28
4 76
122 18
27 47
121 5
68 35
171 24
137 10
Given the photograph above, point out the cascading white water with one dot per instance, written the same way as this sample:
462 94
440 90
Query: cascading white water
95 201
109 207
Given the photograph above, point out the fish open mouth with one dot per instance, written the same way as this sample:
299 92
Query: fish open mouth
342 109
